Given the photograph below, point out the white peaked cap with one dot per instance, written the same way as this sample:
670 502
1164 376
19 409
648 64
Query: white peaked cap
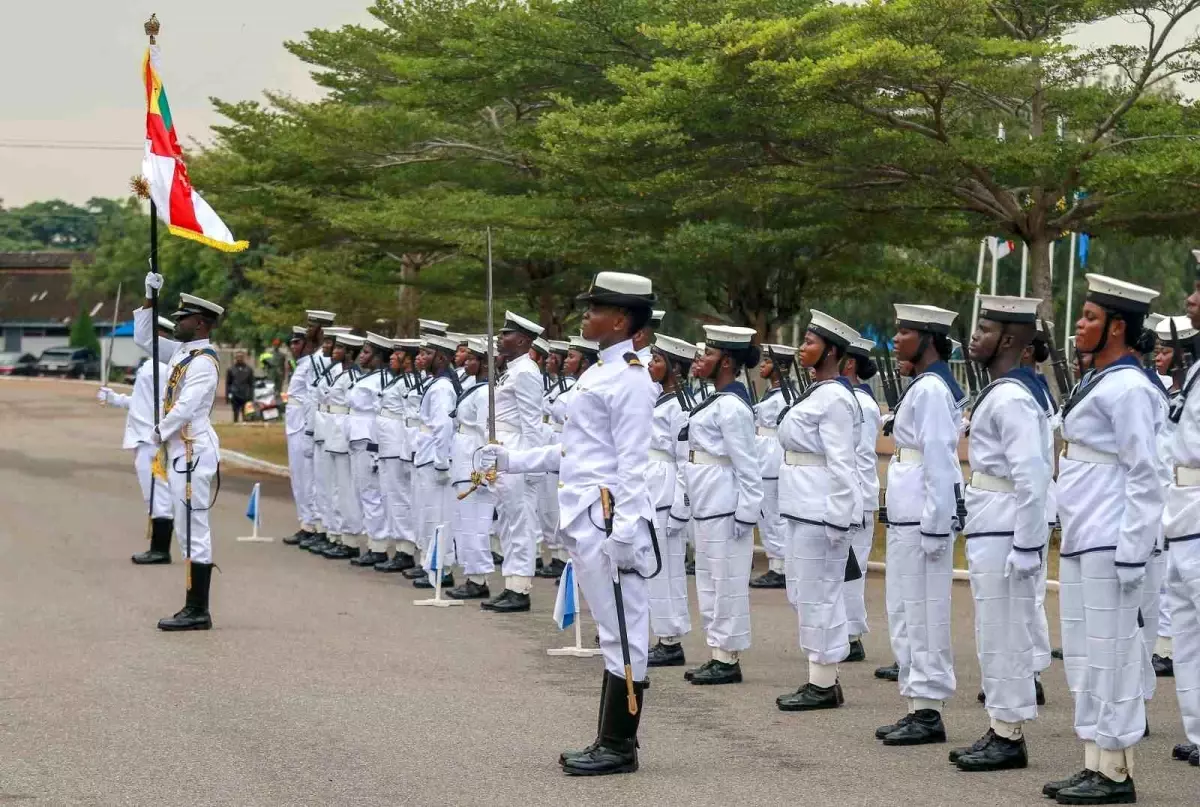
831 330
730 337
559 346
318 317
406 344
656 316
700 348
1153 320
861 346
542 346
516 322
298 331
477 345
584 345
166 324
461 338
379 341
435 341
1008 309
191 304
620 289
924 317
432 326
780 351
1183 328
1108 292
350 340
675 348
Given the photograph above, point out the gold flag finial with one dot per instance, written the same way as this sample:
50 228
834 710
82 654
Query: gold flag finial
151 27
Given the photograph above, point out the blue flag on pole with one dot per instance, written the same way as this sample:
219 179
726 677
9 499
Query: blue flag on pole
1084 246
433 560
565 607
252 507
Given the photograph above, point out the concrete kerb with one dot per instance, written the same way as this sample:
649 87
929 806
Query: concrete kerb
240 460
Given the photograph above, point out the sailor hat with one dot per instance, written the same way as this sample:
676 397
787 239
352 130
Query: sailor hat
349 340
1018 310
585 346
1117 295
541 346
378 341
619 289
435 341
656 317
556 346
461 338
516 322
728 337
676 349
165 324
784 354
1183 329
428 326
191 304
477 345
1153 320
409 345
330 333
298 332
924 318
700 348
317 317
831 330
861 347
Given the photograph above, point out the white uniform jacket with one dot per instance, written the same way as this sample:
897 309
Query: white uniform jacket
519 405
1181 519
866 458
389 423
363 400
189 416
667 457
139 406
722 428
296 416
435 439
766 419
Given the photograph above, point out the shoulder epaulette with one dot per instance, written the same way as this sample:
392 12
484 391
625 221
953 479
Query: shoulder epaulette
632 359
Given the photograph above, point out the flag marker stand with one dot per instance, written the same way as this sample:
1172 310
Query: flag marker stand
436 601
577 650
255 537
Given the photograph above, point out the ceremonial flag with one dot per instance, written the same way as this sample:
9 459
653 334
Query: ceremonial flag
999 248
433 560
1085 243
252 507
183 210
565 606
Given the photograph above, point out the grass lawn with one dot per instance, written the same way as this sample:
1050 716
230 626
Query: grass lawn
265 442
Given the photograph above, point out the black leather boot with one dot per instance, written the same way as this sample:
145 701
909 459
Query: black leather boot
811 697
194 615
1182 751
690 674
718 672
857 651
506 602
369 558
1098 789
616 751
425 582
397 563
666 655
978 745
469 590
565 755
497 559
884 731
769 579
998 754
925 727
1050 789
1194 758
296 537
160 543
889 673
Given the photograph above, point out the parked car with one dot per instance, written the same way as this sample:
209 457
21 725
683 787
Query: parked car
69 362
18 364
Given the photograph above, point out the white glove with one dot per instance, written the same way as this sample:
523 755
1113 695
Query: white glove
442 477
1023 565
493 457
105 396
1130 577
934 547
742 531
156 437
622 554
154 282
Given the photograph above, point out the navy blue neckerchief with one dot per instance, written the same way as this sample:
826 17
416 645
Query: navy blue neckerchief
942 370
1093 377
1156 382
865 387
463 395
364 377
811 389
734 389
664 397
451 376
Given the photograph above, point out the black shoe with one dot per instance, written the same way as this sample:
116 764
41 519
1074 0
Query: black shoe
690 568
889 673
690 674
1163 667
1039 692
1182 751
926 727
857 652
811 697
538 564
884 731
160 543
615 748
1146 731
507 602
551 571
1051 789
319 546
719 672
425 582
666 655
413 572
313 537
998 755
770 579
978 745
1194 759
340 552
1098 789
497 559
369 558
194 615
397 563
470 590
1056 653
296 537
981 697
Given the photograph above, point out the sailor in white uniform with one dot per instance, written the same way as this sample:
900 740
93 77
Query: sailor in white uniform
413 398
139 429
1036 355
670 364
344 541
192 453
395 455
330 365
1110 500
433 453
474 501
605 448
772 529
558 383
921 481
306 351
859 368
362 431
724 487
1006 530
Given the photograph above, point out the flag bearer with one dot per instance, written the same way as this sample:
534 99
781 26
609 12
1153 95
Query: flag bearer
363 400
771 528
306 350
395 455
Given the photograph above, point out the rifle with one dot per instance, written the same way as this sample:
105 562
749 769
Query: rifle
750 386
785 387
973 378
1062 373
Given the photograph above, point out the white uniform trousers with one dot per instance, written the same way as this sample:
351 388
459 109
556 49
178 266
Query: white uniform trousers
347 506
547 510
433 500
1156 575
1102 651
854 591
772 528
143 458
584 541
395 483
1005 609
471 526
370 498
200 539
1168 601
1183 577
816 571
917 591
1041 625
668 590
300 469
723 583
323 484
517 523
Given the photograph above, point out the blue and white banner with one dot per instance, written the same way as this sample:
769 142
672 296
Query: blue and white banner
252 507
566 609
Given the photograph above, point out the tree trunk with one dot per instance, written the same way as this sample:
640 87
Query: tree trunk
1039 274
409 298
546 313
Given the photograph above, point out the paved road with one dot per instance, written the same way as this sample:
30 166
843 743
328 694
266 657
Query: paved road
322 685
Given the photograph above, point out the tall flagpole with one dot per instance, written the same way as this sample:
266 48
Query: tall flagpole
978 283
1024 265
995 244
491 347
1070 293
112 332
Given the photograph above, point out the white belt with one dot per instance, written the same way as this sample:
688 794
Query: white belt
658 455
803 458
383 413
412 423
909 455
337 409
426 429
995 484
765 431
1186 477
704 458
1082 453
507 428
556 427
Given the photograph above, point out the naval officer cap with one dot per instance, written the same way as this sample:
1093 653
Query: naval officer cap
728 337
460 338
1183 329
541 346
445 344
428 326
783 354
407 345
298 332
620 289
1153 320
349 340
1119 296
831 330
165 324
190 304
381 342
478 346
1018 310
656 317
585 346
675 349
318 317
518 323
333 333
861 347
928 318
559 347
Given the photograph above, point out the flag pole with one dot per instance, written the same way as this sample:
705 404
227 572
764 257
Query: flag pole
995 263
1070 292
1024 265
440 553
576 650
112 331
978 283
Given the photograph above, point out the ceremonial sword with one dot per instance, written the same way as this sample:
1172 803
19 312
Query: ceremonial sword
478 477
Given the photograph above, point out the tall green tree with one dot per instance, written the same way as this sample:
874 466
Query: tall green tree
83 332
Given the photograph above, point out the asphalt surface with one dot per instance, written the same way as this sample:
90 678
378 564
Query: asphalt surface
323 685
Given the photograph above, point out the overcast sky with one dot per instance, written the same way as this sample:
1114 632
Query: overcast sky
70 72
